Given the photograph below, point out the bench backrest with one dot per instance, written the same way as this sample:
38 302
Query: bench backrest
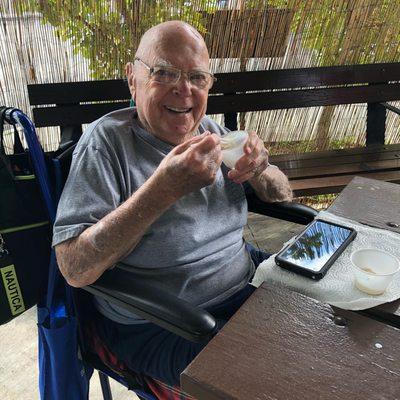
75 103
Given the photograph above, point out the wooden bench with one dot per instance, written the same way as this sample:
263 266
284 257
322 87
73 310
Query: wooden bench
69 105
330 171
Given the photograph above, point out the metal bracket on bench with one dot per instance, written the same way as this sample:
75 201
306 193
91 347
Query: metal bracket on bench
70 134
391 108
376 121
230 121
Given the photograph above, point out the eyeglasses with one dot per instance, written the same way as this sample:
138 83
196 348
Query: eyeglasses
171 75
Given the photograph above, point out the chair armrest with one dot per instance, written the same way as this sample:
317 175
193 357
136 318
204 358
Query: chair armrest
288 211
155 305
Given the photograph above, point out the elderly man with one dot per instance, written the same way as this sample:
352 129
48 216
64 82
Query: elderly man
147 187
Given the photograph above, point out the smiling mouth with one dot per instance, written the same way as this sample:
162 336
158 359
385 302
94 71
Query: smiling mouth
177 110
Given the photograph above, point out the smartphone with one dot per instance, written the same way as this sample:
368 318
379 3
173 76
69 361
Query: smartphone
315 249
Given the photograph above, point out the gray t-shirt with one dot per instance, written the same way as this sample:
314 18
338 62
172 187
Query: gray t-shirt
194 250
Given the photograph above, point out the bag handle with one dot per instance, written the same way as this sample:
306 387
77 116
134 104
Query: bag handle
18 147
4 162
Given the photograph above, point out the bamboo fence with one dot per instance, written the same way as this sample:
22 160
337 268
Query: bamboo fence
74 40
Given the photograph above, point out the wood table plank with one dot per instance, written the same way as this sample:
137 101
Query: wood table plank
370 202
284 345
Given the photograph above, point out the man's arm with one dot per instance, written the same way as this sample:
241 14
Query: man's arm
268 181
188 167
83 259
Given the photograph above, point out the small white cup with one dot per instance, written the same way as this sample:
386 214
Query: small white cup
373 270
232 145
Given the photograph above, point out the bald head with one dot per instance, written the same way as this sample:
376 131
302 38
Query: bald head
168 35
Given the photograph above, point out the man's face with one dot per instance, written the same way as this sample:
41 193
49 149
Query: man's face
171 112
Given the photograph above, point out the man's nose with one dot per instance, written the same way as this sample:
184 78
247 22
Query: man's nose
184 86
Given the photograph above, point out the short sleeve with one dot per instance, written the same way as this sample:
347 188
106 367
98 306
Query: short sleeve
91 192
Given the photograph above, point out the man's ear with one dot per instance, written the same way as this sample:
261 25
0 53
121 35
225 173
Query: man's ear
130 76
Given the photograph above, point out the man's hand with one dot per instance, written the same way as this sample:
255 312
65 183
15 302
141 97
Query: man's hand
253 162
191 165
270 184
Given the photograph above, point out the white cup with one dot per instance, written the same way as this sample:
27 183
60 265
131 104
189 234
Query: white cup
232 145
373 270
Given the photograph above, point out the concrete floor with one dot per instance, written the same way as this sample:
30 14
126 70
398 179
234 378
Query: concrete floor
18 338
19 365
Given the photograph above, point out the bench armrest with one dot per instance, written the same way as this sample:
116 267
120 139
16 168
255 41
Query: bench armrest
288 211
155 305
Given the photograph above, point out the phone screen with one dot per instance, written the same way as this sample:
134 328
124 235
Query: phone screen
316 245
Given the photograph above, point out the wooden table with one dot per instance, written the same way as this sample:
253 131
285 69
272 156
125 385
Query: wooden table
284 345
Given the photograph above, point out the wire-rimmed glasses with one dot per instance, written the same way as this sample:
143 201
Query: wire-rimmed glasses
170 75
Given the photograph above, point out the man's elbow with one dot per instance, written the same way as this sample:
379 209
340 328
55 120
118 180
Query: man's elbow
70 268
288 196
73 278
283 191
78 282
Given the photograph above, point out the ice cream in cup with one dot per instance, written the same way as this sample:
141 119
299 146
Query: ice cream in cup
232 146
374 270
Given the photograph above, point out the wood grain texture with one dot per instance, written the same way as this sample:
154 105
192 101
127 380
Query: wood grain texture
369 202
283 345
354 167
350 152
269 234
334 157
334 184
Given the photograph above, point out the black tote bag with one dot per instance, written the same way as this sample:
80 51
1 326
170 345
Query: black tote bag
25 232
